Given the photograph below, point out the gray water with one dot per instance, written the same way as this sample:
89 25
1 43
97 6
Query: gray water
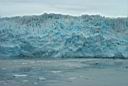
70 72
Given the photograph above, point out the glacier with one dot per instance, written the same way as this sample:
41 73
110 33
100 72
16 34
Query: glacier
63 36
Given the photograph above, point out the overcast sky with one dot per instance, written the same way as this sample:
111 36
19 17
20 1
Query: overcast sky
112 8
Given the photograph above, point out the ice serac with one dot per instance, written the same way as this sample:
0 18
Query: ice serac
63 36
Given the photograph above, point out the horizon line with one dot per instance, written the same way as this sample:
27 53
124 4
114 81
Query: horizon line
68 14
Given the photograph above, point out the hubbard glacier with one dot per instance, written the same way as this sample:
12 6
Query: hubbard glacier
63 36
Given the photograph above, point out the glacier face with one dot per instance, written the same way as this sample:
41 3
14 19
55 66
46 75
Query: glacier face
63 36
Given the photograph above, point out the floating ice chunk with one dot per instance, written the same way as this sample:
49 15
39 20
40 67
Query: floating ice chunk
42 78
24 63
72 78
35 83
19 75
25 81
56 71
3 68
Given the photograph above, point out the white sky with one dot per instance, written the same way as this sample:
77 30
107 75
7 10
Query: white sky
111 8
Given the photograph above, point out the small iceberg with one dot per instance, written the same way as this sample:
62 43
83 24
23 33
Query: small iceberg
56 71
19 75
42 78
72 78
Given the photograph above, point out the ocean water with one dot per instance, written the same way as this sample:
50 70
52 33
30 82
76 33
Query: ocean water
66 72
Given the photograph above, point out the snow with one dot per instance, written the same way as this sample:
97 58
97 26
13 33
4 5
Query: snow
63 36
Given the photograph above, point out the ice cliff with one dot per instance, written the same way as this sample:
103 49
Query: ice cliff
63 36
